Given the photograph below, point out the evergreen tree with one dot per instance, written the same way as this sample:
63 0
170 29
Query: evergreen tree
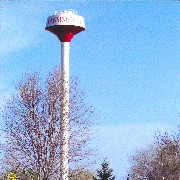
105 173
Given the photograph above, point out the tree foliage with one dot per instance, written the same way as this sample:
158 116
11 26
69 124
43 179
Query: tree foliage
20 175
32 126
158 161
74 174
81 174
104 173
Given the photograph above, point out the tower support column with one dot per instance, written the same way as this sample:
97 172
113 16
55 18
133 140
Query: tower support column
65 47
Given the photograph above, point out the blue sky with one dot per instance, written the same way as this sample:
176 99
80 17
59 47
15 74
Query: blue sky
127 61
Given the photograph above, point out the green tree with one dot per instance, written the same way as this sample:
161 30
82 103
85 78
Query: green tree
104 173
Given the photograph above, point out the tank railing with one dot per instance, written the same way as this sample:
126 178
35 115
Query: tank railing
69 11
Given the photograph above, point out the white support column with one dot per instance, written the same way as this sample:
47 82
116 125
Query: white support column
64 109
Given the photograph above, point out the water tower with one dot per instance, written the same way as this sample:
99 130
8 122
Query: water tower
65 24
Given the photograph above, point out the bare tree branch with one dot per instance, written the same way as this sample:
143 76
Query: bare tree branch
32 126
